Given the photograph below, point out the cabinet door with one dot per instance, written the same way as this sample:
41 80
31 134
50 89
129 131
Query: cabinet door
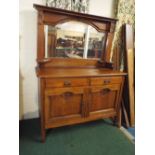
63 105
104 99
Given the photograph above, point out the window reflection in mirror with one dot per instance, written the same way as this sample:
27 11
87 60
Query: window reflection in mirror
73 40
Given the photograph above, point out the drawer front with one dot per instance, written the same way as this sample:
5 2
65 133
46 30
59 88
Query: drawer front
105 80
66 82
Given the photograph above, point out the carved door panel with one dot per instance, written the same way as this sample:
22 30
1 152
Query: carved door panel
64 104
104 98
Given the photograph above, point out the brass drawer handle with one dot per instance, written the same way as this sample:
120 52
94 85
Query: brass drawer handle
105 91
67 83
68 94
106 81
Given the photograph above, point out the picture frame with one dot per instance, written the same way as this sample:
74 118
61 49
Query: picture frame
73 5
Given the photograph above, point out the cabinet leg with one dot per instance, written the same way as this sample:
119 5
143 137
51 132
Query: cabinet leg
114 119
43 135
43 131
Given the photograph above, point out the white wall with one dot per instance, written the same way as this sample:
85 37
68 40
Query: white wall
102 7
28 105
28 36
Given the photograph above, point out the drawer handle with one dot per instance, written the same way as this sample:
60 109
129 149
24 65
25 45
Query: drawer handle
67 83
105 91
106 81
68 94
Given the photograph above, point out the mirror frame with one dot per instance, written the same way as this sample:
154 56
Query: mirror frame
54 16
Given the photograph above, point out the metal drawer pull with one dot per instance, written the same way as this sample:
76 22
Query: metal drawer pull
105 91
67 83
68 94
106 81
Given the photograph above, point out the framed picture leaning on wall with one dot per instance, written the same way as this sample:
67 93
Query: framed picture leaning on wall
74 5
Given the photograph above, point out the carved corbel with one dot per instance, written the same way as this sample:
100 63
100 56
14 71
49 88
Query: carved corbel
40 17
112 27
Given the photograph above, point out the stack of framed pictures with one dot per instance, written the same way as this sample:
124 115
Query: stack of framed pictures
74 5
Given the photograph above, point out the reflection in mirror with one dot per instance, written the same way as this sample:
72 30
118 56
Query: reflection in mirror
73 40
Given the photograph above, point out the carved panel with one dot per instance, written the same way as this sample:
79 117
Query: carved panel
101 26
53 19
104 98
63 103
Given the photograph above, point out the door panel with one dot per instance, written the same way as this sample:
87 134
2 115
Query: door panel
103 101
62 103
105 97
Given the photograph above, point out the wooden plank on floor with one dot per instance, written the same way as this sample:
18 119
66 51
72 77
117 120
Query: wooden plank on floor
125 114
129 47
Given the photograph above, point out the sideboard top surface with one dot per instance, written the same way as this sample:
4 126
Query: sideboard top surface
78 72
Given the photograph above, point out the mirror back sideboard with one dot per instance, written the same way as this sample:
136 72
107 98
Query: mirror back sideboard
77 82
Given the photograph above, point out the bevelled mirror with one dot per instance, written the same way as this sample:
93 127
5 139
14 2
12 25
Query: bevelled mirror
73 40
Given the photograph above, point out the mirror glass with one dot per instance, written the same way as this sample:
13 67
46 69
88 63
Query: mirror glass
73 40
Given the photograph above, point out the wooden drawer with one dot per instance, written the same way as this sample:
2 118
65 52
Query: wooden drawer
105 80
66 82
